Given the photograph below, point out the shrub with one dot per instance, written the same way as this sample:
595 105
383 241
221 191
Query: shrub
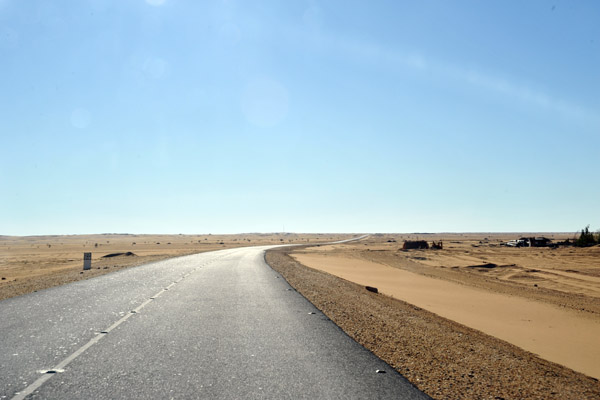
586 238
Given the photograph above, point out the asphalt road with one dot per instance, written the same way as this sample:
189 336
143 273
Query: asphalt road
212 325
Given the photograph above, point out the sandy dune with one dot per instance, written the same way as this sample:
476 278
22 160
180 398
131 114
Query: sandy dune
559 335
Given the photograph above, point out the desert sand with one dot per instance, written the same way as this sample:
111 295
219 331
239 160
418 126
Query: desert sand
445 359
544 300
30 263
564 336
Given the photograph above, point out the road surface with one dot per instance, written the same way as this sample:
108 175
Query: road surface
213 325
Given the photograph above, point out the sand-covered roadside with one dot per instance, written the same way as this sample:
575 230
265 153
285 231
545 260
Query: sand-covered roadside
441 357
30 263
561 335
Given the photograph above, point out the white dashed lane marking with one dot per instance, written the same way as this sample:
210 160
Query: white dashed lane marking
60 368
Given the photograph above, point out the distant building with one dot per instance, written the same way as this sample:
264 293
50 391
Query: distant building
415 244
539 242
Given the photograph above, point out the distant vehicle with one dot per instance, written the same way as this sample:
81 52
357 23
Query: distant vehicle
529 242
516 243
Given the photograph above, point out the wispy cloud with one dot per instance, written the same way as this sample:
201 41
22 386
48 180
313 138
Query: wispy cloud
522 93
505 87
494 84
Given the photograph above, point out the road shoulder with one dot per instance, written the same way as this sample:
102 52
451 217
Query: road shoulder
442 358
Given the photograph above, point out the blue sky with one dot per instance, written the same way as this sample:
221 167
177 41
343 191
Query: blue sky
310 116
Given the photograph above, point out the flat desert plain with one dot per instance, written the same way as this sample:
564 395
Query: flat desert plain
544 301
473 320
30 263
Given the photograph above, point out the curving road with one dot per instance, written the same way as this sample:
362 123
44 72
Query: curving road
213 325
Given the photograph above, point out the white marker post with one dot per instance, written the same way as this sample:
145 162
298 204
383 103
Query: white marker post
87 261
